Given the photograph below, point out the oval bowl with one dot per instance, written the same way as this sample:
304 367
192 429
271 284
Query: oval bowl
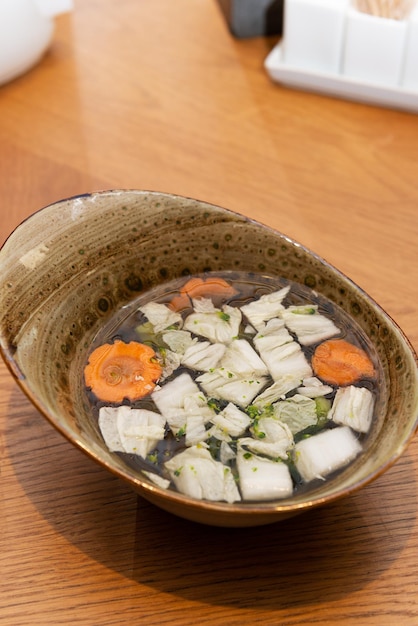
72 265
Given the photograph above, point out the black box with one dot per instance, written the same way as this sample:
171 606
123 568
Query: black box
253 18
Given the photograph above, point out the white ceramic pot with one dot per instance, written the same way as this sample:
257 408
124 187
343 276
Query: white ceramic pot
26 29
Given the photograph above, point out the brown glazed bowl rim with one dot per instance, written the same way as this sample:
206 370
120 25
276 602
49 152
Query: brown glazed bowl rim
214 513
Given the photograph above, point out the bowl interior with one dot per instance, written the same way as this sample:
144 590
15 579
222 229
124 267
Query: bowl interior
71 266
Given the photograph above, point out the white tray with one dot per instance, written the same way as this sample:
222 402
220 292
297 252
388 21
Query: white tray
337 85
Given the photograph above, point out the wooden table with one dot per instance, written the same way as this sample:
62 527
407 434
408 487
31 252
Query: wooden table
157 94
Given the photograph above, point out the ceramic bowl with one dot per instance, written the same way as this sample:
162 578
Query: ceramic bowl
72 265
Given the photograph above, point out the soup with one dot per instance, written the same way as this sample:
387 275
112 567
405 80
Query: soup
233 387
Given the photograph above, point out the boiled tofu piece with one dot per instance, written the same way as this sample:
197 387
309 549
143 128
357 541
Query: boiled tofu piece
322 454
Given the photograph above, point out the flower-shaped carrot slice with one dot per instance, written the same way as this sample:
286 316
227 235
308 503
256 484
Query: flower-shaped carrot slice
201 288
122 370
339 362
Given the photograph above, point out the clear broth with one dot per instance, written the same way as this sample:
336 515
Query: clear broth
249 287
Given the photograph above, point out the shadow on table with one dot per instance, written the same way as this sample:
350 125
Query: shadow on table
313 558
318 556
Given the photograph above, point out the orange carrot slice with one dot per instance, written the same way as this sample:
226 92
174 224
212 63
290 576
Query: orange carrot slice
339 362
122 370
201 288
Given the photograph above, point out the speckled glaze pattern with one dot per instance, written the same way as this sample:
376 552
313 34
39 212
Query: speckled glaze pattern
72 265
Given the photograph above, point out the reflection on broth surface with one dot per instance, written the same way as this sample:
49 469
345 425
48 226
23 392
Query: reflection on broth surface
239 410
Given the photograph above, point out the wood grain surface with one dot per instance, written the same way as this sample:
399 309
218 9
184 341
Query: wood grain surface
157 94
